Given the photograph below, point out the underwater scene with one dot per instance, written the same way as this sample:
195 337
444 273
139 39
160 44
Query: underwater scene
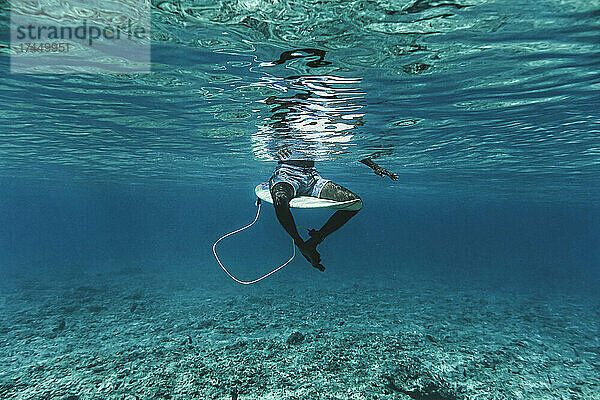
311 199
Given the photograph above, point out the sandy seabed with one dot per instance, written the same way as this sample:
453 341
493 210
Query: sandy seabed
131 333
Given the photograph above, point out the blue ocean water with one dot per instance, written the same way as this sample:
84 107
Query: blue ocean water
487 111
488 115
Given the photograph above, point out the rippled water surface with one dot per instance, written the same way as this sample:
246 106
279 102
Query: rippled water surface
490 98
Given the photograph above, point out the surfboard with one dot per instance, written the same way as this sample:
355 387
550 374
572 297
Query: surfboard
262 191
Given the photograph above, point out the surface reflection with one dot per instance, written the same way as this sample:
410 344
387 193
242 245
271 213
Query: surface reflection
316 115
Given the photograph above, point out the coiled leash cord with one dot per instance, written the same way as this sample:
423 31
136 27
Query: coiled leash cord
214 248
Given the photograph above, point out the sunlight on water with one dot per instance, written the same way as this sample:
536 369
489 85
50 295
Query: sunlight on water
453 94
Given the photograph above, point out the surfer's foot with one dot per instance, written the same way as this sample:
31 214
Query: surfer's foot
309 251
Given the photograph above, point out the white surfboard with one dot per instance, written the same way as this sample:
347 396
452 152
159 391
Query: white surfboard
262 191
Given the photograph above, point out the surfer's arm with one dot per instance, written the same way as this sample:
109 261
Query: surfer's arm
378 169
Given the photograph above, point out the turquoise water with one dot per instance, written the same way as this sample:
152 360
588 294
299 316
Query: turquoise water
493 97
484 253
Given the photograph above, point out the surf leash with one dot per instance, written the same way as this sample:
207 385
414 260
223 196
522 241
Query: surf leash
214 248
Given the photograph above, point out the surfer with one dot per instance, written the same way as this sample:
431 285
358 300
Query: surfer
312 117
297 176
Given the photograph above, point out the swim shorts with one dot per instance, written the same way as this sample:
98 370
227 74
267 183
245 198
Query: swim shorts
305 181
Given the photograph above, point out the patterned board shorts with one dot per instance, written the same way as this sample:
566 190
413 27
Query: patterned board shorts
306 181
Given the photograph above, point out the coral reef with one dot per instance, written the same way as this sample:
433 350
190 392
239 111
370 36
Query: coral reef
200 337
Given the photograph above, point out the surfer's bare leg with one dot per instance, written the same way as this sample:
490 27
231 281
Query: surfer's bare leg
333 191
282 193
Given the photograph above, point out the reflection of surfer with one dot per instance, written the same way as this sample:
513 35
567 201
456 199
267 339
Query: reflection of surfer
301 128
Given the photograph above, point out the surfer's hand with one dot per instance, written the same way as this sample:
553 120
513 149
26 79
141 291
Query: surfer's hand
378 170
283 154
384 172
